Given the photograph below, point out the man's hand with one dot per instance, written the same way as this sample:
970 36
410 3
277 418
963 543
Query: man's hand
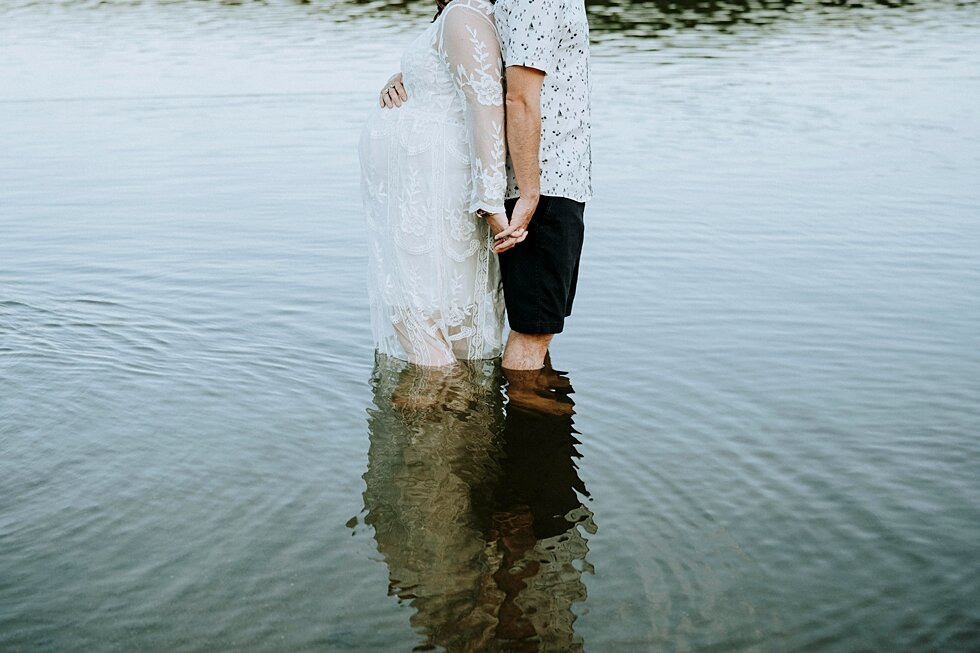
498 223
516 230
393 94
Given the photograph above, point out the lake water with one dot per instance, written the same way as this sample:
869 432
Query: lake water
772 441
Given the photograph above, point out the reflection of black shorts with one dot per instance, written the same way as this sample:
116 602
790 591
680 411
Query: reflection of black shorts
540 274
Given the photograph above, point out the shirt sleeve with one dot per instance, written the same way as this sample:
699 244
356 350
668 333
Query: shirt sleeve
471 49
531 35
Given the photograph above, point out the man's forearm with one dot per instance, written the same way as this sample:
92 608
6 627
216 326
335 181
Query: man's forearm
524 141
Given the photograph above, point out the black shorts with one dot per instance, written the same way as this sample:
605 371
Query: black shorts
540 274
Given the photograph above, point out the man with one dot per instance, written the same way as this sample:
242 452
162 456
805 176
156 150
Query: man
545 46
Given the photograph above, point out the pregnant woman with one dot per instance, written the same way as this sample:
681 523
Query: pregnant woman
433 182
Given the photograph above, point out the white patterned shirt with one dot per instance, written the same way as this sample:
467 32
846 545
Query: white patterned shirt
553 36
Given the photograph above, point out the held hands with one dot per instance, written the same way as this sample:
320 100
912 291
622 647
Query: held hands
515 232
393 94
498 224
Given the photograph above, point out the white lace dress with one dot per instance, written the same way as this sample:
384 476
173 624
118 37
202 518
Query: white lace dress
434 283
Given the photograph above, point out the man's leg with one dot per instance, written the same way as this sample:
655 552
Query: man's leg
539 278
525 351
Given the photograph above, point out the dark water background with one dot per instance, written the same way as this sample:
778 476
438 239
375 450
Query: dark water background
775 354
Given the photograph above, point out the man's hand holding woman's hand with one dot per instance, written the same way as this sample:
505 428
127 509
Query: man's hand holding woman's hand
515 231
393 94
498 224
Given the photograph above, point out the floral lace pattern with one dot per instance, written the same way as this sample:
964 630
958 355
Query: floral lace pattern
426 168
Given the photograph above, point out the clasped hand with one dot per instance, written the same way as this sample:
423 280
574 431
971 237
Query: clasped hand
505 234
508 233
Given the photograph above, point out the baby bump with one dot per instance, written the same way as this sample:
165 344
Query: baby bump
416 161
410 131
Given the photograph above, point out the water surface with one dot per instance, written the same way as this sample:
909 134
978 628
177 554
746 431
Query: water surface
772 440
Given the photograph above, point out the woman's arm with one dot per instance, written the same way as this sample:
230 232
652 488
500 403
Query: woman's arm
470 47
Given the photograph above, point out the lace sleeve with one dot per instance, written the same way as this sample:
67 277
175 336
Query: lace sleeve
470 47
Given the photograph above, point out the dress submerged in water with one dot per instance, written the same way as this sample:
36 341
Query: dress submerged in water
427 167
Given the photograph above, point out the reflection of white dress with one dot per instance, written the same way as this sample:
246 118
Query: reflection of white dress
434 284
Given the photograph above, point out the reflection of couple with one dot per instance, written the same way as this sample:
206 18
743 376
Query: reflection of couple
477 512
435 175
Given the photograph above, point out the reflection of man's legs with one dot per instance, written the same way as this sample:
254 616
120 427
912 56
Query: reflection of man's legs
514 530
537 507
539 278
541 391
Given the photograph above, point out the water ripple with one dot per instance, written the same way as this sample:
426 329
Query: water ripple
774 349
